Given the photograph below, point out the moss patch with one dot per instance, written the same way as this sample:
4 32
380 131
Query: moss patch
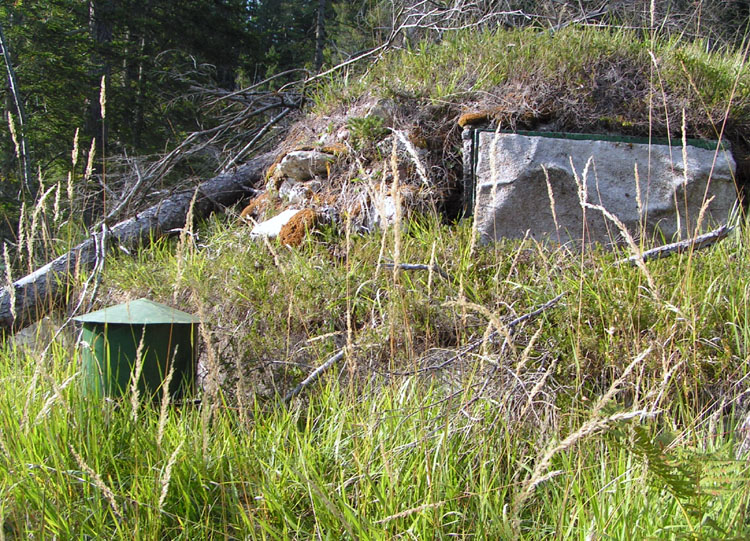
294 231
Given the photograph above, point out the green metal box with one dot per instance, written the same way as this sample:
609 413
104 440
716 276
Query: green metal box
109 343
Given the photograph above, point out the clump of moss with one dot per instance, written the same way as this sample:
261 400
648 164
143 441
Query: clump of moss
294 231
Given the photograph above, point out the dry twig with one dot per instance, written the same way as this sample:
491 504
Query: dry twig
508 328
314 375
417 266
697 243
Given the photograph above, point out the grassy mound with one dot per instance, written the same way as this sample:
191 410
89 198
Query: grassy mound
579 79
459 408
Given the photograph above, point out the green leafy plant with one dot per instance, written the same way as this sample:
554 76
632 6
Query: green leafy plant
366 130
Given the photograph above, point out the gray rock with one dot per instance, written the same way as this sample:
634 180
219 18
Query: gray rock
512 194
303 165
314 186
294 192
382 213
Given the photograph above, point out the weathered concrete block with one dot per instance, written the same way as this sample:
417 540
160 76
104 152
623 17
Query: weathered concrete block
512 195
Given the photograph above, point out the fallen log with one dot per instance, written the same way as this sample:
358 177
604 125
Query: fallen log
34 295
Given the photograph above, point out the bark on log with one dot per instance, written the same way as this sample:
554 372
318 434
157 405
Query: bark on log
38 292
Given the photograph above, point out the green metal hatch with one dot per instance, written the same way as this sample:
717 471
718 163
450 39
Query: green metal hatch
109 343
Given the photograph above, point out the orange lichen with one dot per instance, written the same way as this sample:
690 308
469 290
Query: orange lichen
294 231
355 210
271 170
335 148
479 117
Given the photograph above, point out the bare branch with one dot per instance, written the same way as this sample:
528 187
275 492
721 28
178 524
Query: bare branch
697 243
415 266
313 377
474 345
36 293
23 150
257 137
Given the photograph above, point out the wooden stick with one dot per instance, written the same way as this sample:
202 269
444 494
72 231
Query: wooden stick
474 345
417 266
314 375
35 294
697 243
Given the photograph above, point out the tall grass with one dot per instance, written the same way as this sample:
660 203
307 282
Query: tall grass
610 415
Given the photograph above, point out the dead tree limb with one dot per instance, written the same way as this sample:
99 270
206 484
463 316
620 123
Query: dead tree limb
258 136
314 375
416 266
509 327
697 243
36 293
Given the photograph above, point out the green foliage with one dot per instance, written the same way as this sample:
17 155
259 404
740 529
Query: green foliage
285 32
372 456
366 130
393 457
154 55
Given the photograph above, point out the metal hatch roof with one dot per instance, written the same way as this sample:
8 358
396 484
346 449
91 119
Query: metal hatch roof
139 312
